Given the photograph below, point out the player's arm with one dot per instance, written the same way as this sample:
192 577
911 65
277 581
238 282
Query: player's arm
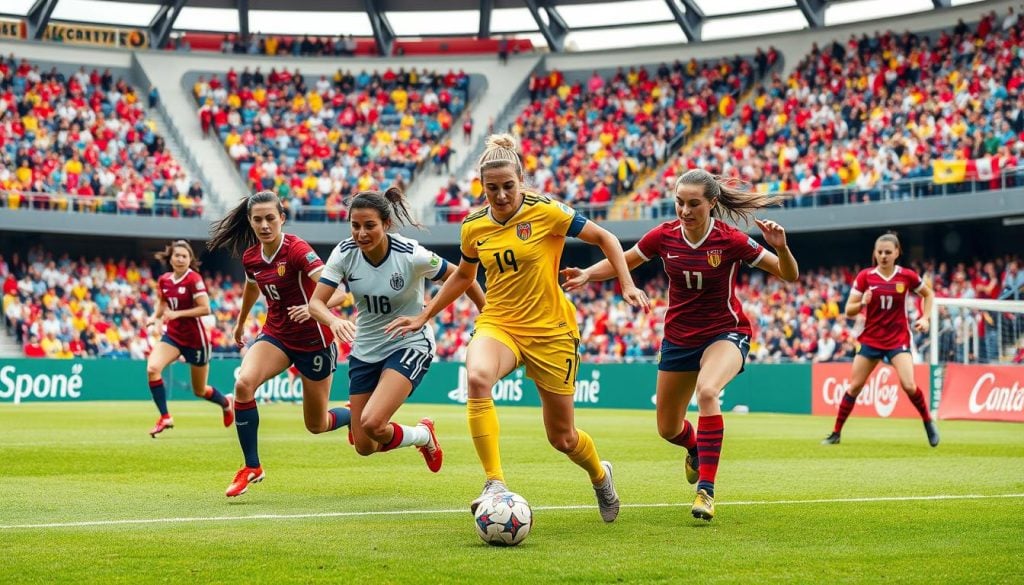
475 291
250 293
598 272
856 302
927 298
454 286
158 313
782 263
324 293
609 244
201 309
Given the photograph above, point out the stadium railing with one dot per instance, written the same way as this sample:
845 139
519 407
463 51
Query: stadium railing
69 203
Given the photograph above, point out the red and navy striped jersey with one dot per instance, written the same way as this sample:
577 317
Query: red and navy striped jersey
886 325
180 295
702 276
284 279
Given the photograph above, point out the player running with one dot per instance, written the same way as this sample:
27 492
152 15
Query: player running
707 336
181 303
881 292
385 273
285 269
518 238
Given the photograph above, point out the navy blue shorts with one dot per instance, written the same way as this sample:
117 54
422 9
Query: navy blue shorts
875 353
364 376
315 365
687 359
197 356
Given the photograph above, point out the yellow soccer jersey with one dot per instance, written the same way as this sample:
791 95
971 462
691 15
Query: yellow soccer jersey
520 258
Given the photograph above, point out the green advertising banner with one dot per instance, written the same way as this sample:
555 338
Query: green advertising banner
761 388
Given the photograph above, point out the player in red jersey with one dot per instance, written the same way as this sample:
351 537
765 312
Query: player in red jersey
882 293
707 336
285 269
181 303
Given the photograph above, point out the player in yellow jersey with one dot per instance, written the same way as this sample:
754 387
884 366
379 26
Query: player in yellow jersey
527 320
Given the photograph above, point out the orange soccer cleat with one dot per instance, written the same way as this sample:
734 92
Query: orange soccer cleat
243 478
162 424
229 411
432 452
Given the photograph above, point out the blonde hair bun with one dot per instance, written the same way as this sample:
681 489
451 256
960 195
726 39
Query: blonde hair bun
506 141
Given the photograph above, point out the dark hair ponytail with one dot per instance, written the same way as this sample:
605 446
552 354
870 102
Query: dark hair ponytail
735 199
164 255
233 230
390 204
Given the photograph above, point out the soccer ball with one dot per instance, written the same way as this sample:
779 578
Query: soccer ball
503 519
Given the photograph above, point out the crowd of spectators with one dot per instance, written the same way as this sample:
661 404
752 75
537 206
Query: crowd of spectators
65 307
587 140
317 142
83 141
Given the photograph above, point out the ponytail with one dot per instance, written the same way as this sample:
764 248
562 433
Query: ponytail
233 230
735 199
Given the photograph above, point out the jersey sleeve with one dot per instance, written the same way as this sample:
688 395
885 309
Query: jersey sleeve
334 271
565 220
305 258
649 246
468 245
914 280
198 286
860 284
160 288
428 264
748 249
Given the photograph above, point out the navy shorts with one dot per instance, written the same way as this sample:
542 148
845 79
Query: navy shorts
197 356
874 353
687 359
315 365
410 362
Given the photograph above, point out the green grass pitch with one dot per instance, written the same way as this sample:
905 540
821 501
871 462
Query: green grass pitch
881 507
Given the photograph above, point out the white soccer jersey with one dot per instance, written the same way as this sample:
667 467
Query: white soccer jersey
393 288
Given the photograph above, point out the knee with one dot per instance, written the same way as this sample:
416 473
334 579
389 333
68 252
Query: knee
707 395
366 448
855 390
374 426
153 371
910 389
479 383
667 432
245 388
200 392
315 427
563 442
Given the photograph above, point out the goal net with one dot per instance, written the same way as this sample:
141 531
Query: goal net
976 331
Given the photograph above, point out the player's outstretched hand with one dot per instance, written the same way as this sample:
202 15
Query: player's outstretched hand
773 233
574 277
921 325
343 330
239 333
636 297
402 325
299 313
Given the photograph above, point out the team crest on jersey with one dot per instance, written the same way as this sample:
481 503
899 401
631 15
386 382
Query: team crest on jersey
281 269
900 288
524 230
397 281
714 258
181 290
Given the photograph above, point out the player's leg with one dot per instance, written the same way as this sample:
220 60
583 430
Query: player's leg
674 391
903 362
862 368
163 354
489 358
721 361
200 375
316 369
263 361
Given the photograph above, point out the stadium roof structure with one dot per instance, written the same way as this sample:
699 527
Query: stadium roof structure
550 22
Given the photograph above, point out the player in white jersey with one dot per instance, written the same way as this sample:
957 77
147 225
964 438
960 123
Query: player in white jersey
385 273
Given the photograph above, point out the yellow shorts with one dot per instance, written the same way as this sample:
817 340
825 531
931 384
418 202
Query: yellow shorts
551 361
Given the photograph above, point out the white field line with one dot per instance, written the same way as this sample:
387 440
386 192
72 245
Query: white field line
185 520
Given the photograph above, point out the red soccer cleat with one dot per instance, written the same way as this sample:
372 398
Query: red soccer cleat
162 424
243 478
432 452
229 411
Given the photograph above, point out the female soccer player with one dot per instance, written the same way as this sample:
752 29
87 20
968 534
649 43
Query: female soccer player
519 237
285 269
385 274
707 336
181 303
882 293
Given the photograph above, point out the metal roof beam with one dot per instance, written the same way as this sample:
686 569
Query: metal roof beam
243 19
38 17
691 21
814 12
486 8
941 3
382 31
162 24
554 30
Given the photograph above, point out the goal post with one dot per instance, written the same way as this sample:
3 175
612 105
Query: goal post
971 331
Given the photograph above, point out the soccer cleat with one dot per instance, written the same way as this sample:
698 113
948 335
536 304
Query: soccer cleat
832 439
607 498
703 506
432 452
933 433
491 487
229 411
243 478
162 424
692 469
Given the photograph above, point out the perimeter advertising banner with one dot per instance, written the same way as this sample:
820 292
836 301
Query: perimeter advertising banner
12 29
102 36
881 397
983 392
